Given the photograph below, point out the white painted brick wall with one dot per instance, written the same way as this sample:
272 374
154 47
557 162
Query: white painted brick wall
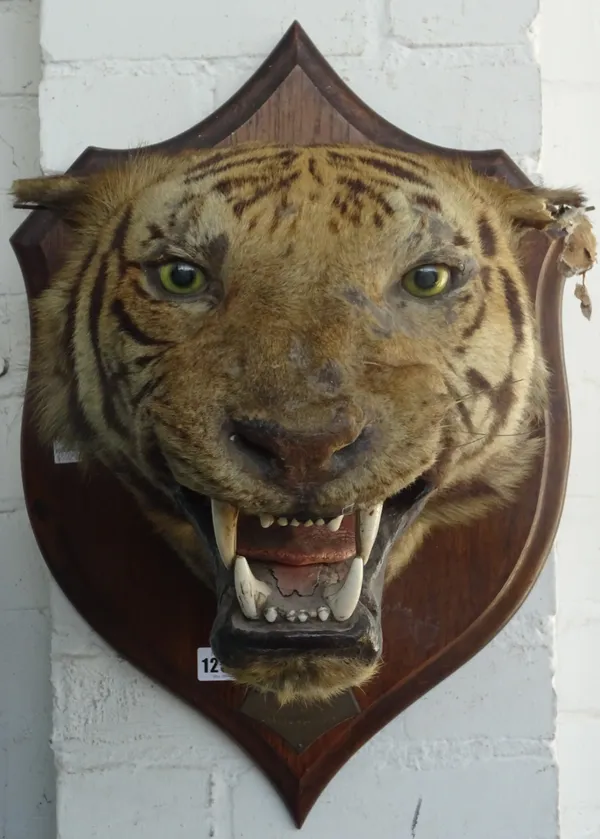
478 751
27 787
570 64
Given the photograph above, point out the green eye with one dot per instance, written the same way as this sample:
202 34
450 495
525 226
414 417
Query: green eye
426 280
181 278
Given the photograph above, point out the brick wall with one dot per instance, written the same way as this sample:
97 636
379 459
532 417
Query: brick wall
26 774
570 64
473 759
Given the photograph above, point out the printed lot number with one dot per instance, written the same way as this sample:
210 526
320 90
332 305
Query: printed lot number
209 667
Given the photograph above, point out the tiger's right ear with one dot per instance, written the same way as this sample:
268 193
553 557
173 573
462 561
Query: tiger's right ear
61 194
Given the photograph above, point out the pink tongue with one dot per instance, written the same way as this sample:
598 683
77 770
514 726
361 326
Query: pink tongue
295 546
301 579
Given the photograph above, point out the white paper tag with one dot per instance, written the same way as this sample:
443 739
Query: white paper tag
64 455
209 667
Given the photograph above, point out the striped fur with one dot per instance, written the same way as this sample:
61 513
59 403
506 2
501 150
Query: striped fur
304 249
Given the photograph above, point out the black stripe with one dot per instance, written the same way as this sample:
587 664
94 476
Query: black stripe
146 390
281 185
476 325
396 171
514 306
285 158
460 405
395 154
487 237
226 185
131 329
118 240
460 241
356 187
477 381
502 399
68 338
428 201
144 360
78 419
95 311
486 277
312 168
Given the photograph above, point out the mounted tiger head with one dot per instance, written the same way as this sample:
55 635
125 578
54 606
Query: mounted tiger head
300 360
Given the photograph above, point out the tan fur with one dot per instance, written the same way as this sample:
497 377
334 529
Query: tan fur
327 676
306 248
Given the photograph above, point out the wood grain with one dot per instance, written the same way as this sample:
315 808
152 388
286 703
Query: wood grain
460 590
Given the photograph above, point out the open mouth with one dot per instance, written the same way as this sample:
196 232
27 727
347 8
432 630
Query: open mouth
303 583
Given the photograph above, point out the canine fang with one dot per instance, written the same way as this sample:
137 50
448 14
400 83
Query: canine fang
344 602
367 526
251 593
225 518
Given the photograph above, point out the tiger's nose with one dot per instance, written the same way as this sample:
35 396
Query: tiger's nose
297 459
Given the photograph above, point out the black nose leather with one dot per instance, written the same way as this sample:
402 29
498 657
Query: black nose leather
299 459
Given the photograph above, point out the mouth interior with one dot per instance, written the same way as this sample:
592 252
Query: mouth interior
311 568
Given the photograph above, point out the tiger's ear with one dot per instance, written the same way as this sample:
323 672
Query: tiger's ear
61 194
536 207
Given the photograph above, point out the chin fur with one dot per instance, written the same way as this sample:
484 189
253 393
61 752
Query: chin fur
304 679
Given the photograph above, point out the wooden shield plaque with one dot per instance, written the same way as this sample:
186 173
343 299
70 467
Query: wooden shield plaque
459 591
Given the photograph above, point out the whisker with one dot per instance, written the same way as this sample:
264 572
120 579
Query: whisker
489 389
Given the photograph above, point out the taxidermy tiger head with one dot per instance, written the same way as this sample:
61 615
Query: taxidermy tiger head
299 360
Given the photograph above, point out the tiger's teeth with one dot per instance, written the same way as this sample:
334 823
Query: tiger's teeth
266 520
320 522
367 525
308 523
251 593
225 518
302 617
282 521
295 523
271 614
344 602
335 524
291 615
323 612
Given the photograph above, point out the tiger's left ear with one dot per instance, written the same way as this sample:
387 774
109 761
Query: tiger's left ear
535 207
63 195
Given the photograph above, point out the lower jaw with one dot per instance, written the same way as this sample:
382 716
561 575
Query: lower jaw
314 659
308 661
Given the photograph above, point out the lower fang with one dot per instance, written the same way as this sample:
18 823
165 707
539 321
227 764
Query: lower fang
302 617
251 593
271 614
344 602
323 613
